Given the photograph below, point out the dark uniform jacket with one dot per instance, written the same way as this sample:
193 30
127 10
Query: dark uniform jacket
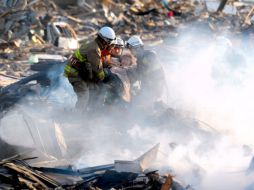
86 63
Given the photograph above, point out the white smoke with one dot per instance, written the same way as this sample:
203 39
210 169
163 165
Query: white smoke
214 82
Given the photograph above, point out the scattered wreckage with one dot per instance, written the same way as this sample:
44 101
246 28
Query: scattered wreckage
57 23
15 172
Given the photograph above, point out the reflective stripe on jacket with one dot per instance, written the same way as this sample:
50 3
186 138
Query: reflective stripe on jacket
87 63
69 71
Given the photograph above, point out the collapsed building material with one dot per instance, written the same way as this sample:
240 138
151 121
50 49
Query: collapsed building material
15 172
11 150
17 24
11 94
15 4
43 21
20 175
139 165
222 5
62 35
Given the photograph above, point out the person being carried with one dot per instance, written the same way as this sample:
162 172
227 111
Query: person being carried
120 62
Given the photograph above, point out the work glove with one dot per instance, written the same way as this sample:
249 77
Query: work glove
107 73
106 65
86 71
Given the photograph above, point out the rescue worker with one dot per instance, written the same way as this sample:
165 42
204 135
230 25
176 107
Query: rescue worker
85 70
148 79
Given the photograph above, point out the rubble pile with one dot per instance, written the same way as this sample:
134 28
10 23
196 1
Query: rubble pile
32 26
16 172
19 175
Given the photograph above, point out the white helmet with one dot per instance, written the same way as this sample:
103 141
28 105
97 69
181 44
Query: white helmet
134 41
118 42
107 34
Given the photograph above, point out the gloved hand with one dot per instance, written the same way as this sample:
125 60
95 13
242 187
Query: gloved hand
86 72
107 73
106 65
